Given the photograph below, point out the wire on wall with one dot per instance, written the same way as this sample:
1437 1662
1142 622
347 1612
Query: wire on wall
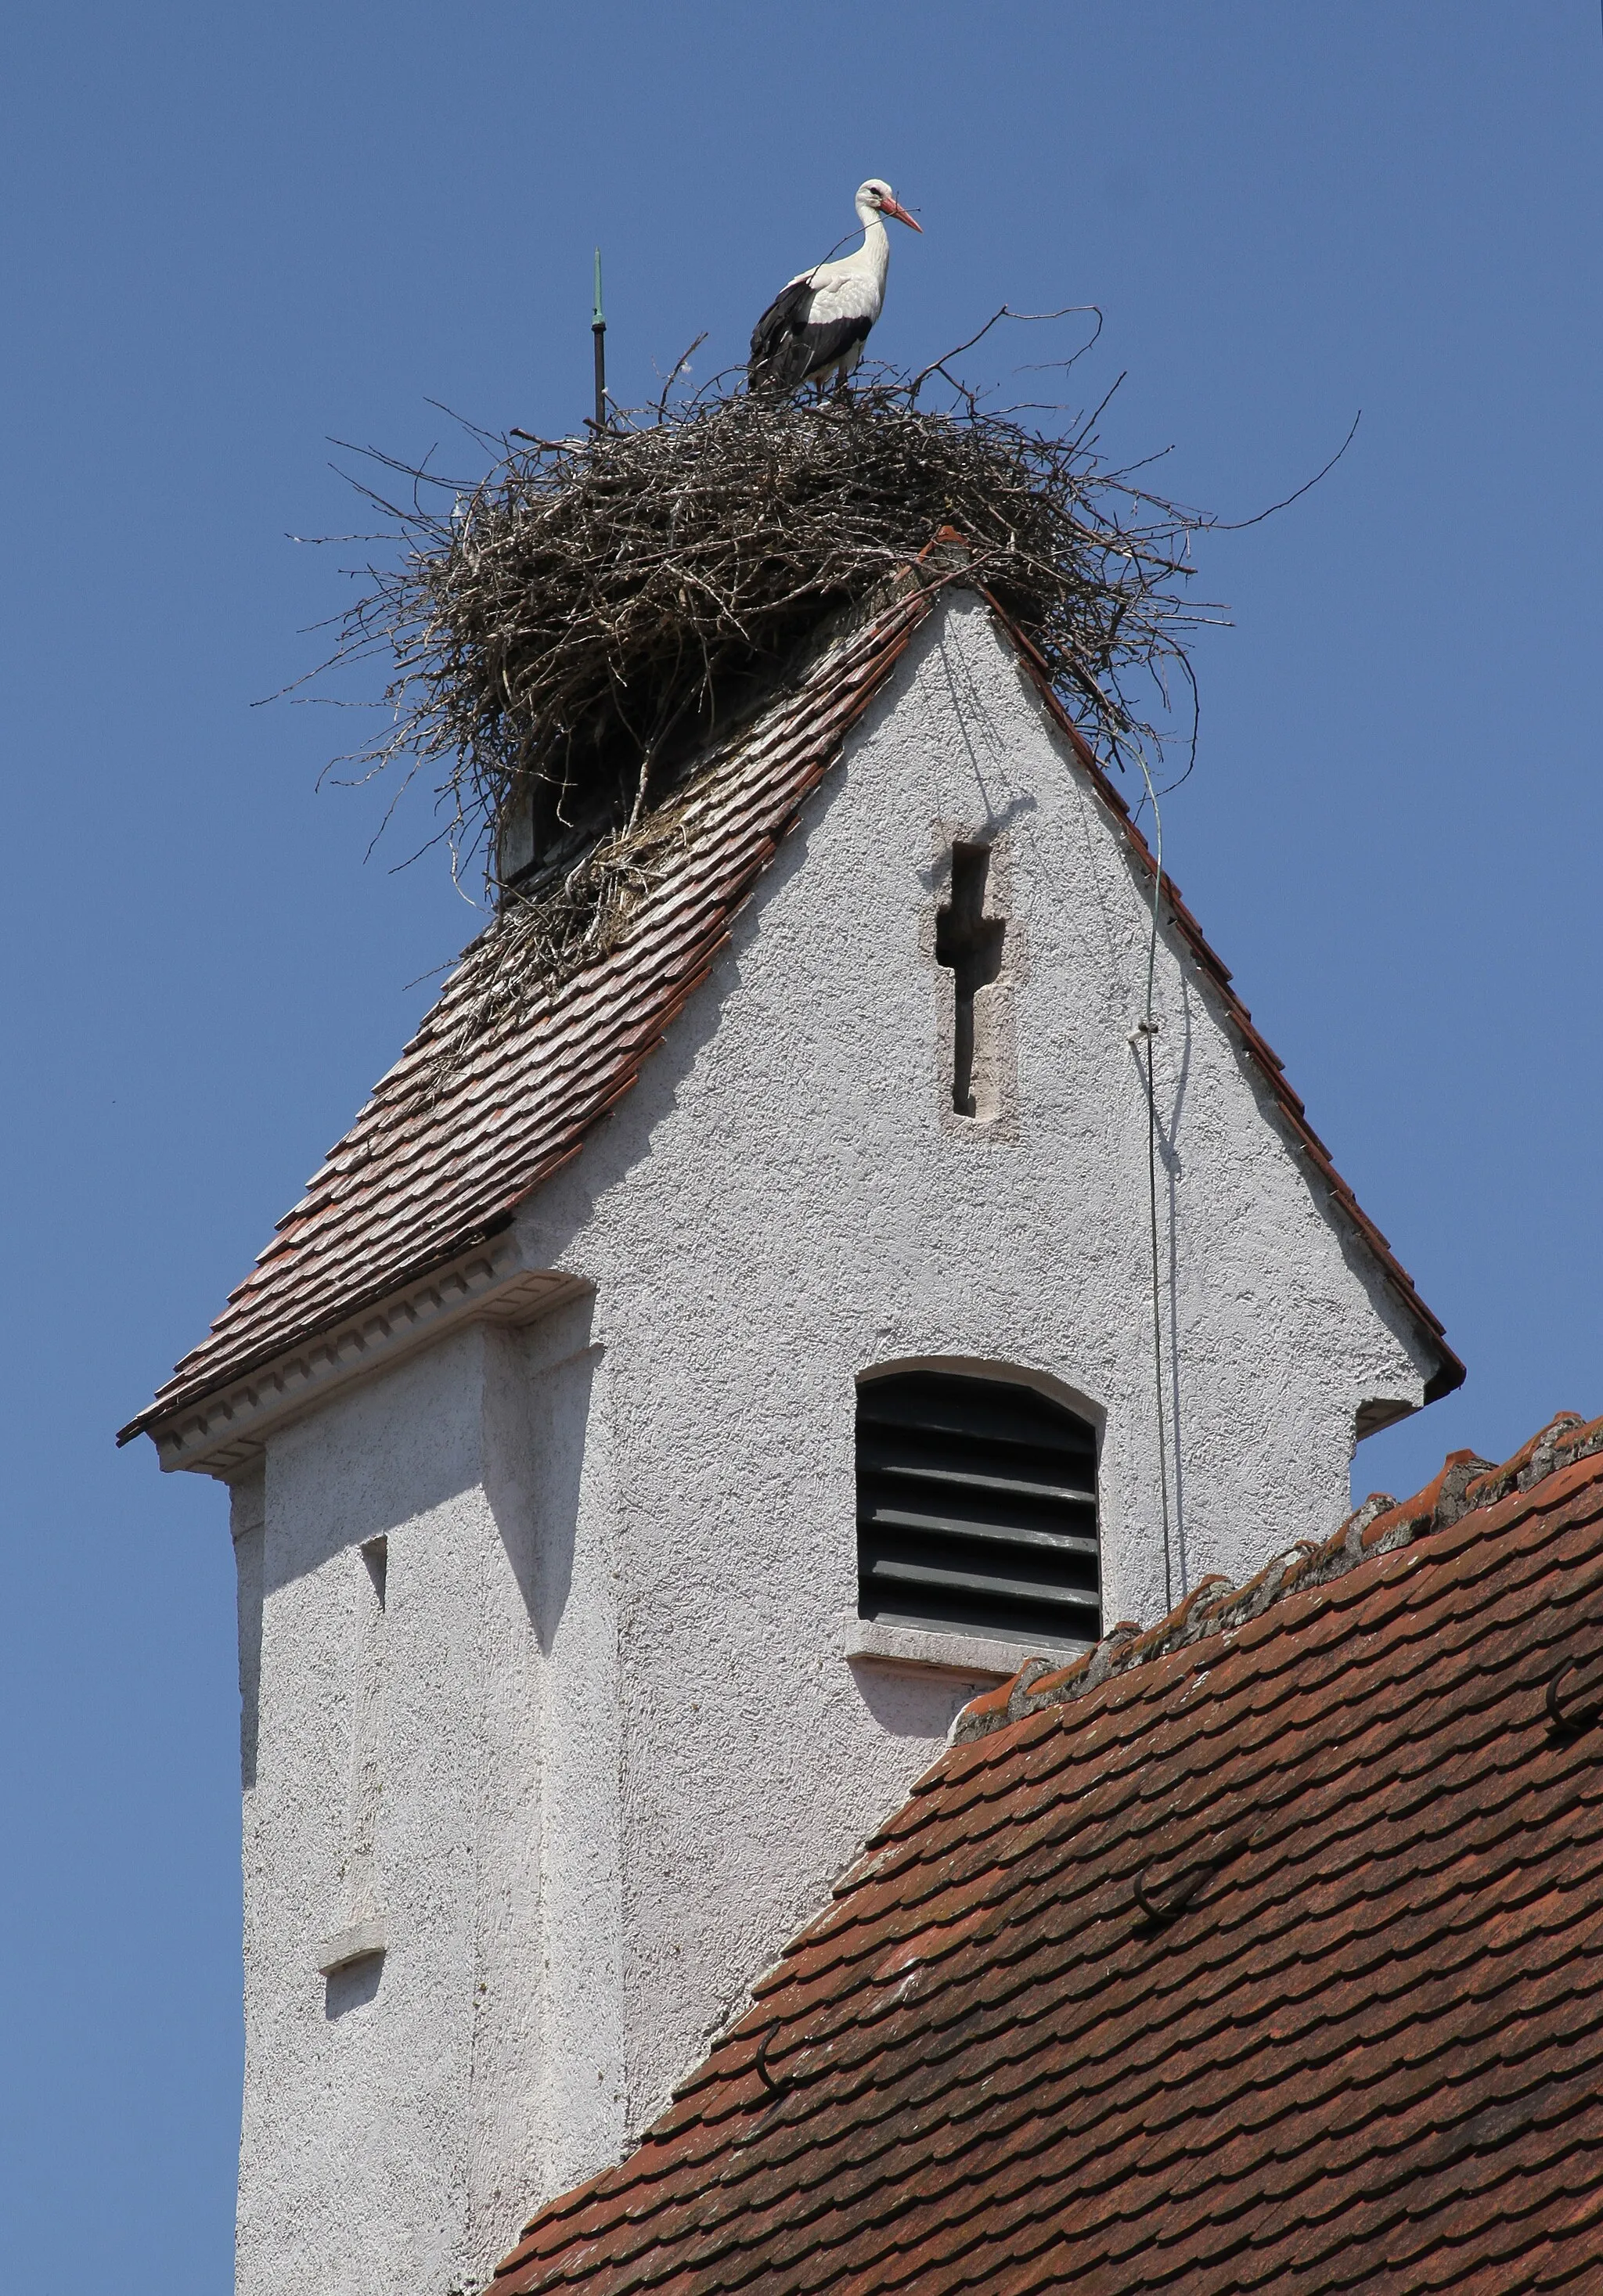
1145 1033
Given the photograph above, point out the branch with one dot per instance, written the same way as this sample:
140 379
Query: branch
1027 318
1240 525
680 363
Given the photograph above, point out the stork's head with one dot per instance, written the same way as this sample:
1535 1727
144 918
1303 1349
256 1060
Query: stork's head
877 194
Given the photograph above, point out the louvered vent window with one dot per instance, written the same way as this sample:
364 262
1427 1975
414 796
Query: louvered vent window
976 1509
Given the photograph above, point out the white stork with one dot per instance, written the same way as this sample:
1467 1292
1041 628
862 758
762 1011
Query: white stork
815 328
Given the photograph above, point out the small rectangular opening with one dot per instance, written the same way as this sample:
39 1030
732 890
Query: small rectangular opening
353 1984
375 1555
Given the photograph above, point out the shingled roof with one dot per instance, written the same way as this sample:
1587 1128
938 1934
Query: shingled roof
426 1173
1272 1959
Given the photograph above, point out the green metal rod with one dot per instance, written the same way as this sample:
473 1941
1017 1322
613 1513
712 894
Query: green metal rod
598 333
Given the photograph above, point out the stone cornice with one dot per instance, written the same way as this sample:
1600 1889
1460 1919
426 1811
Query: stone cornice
222 1433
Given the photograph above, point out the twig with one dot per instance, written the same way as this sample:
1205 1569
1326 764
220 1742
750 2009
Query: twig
680 363
1030 318
1240 525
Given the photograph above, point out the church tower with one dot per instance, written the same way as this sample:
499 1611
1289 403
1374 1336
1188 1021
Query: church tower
674 1398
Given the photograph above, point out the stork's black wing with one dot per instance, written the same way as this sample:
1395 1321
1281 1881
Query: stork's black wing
813 349
772 335
788 346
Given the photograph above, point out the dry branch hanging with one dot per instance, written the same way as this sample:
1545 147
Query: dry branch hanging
572 629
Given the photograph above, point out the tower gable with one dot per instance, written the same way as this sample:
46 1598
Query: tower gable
402 1229
576 1334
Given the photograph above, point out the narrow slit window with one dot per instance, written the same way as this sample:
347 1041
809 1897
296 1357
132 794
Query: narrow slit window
969 945
375 1555
976 1510
365 1791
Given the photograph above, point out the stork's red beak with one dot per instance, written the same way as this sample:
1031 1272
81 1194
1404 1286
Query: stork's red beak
894 207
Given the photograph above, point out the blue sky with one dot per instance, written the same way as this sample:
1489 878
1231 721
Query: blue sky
229 234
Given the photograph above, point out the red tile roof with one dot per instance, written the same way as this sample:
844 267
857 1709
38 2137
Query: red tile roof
1270 1961
424 1174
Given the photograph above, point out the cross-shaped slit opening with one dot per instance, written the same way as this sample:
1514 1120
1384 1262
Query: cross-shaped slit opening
969 943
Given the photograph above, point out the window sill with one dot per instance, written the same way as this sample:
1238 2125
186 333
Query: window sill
356 1943
977 1658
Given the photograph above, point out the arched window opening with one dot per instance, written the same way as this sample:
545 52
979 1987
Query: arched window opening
976 1510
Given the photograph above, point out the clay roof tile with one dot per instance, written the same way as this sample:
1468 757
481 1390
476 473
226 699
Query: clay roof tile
1264 1960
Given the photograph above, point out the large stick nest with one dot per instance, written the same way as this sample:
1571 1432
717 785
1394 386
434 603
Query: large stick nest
567 633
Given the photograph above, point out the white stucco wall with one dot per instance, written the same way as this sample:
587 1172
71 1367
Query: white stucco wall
622 1752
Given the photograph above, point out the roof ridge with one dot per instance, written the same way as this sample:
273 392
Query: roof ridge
1465 1484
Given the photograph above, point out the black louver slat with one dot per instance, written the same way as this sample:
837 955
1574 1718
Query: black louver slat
976 1510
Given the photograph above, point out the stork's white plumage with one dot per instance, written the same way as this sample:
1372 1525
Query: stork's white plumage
815 328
